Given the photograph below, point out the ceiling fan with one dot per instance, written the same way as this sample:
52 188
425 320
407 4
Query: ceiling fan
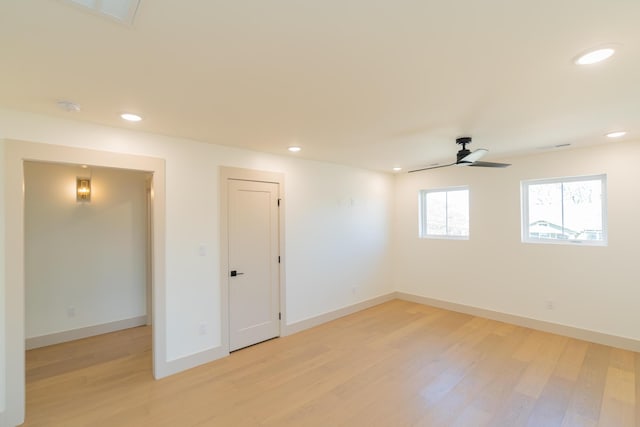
467 158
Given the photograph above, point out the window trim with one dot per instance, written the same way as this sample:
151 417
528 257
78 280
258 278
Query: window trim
422 213
524 196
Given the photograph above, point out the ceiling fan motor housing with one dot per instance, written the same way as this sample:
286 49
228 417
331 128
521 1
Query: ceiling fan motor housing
463 152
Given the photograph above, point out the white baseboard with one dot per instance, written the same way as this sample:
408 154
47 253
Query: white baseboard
89 331
335 314
541 325
207 356
191 361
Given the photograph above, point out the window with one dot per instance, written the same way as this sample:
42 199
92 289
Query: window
565 210
444 213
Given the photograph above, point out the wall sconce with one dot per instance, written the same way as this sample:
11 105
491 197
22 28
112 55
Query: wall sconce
83 189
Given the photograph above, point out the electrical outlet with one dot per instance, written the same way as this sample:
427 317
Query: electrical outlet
549 305
202 329
71 312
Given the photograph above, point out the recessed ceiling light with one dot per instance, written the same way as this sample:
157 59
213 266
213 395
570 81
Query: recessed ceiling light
397 169
595 56
131 117
294 148
616 134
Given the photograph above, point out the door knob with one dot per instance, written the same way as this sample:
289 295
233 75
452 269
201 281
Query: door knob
234 273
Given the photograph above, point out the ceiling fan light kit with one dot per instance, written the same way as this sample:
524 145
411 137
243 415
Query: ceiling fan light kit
466 157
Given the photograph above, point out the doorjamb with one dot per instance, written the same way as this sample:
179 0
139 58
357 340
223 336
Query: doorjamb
227 173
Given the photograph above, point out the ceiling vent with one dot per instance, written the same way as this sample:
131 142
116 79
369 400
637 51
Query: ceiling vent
122 11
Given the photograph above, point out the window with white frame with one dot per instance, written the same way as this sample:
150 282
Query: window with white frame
444 213
569 210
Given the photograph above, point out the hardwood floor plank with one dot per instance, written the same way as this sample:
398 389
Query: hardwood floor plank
586 400
515 412
541 366
572 419
570 363
618 398
550 408
497 375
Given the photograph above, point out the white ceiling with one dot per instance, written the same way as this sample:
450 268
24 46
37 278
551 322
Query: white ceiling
370 83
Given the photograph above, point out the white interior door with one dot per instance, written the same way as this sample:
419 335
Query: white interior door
254 287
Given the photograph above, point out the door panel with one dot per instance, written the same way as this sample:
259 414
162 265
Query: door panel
253 262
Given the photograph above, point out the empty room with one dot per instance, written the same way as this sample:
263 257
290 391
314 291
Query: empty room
319 213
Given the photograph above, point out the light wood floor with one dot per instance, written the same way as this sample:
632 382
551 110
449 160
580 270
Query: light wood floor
397 364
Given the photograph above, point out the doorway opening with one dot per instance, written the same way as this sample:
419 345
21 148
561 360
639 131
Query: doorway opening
17 153
87 263
86 275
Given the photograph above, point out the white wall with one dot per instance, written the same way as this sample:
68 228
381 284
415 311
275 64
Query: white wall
331 243
88 257
593 288
338 237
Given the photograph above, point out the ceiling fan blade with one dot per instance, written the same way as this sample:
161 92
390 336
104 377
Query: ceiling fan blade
490 164
431 167
467 158
474 156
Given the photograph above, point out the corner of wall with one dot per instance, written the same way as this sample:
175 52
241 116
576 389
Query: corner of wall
311 322
192 361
